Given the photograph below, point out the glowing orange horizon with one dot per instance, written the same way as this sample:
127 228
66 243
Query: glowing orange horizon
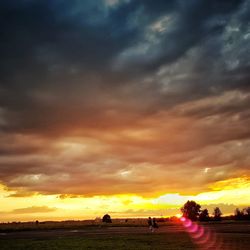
46 207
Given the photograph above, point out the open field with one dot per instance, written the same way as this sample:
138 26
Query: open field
230 235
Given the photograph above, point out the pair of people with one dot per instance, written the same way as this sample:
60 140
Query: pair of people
152 224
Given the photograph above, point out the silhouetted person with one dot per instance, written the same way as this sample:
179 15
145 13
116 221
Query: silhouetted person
155 225
150 224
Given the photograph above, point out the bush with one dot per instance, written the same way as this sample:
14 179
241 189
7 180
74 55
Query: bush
106 218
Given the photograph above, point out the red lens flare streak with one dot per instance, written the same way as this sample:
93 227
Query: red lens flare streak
202 236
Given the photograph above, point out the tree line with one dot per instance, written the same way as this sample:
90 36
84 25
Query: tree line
193 211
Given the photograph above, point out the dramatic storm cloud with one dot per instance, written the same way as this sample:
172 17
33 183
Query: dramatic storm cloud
123 96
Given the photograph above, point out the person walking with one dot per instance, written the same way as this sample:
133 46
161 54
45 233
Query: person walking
150 224
154 225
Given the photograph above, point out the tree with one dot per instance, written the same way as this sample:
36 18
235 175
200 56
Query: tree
238 214
106 218
217 214
204 215
191 210
246 212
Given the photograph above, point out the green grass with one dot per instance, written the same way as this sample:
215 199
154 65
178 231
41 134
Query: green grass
180 241
115 236
52 225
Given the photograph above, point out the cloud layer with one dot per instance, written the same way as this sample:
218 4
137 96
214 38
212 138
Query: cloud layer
109 97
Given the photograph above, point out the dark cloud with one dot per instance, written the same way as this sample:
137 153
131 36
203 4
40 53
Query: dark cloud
128 93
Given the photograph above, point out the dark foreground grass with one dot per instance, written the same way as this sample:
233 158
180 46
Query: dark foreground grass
180 241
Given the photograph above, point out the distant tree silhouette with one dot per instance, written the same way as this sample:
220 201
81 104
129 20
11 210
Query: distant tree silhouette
106 218
204 215
243 214
217 214
238 214
191 210
246 212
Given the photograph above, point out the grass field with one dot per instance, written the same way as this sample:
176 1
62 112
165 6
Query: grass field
233 236
145 241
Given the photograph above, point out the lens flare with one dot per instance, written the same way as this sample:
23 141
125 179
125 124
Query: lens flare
187 223
193 228
182 219
213 242
203 237
199 233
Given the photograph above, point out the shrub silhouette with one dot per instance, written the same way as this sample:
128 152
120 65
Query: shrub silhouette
106 218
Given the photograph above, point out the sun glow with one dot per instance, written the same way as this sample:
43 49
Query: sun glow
60 207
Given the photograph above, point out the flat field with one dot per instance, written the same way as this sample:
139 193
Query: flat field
170 235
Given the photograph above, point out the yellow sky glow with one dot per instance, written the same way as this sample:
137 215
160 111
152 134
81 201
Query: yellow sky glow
53 207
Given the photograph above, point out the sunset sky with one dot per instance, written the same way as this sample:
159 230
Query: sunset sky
126 107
